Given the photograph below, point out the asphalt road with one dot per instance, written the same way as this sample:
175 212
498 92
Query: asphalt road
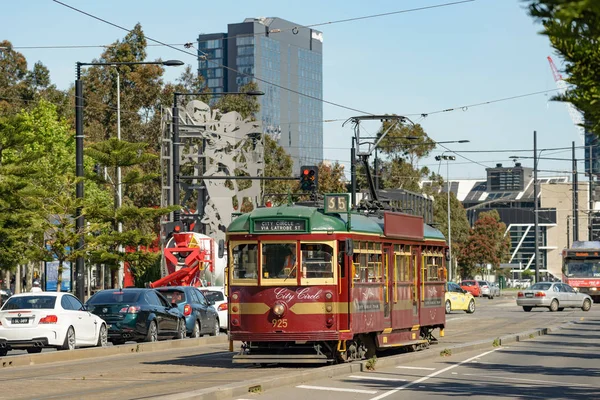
561 365
139 375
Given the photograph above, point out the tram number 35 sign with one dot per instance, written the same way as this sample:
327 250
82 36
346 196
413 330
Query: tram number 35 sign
336 203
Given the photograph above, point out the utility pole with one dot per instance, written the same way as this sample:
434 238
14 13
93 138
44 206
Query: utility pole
590 197
575 198
536 209
119 196
353 171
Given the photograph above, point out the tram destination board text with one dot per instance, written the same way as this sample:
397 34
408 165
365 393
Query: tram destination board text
280 226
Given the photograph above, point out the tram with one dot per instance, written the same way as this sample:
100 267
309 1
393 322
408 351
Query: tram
320 284
581 268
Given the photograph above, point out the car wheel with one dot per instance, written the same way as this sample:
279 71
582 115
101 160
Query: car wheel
3 352
216 329
561 308
448 307
587 304
69 343
181 329
491 297
34 350
117 342
152 335
554 305
102 336
527 308
196 330
471 307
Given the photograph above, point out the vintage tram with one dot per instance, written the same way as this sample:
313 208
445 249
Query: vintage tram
317 284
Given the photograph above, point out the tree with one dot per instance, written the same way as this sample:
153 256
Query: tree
573 28
486 244
331 178
277 163
247 106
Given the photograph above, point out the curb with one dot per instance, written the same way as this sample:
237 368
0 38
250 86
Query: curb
90 352
296 378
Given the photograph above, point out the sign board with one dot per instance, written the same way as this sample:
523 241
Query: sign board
336 203
52 276
403 226
279 226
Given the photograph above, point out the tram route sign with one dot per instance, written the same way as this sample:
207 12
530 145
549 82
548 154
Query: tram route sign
283 226
336 203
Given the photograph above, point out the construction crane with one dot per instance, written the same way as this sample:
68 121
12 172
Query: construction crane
576 116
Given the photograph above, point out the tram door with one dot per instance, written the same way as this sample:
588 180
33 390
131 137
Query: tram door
388 284
414 286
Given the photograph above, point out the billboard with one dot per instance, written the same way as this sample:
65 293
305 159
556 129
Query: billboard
52 276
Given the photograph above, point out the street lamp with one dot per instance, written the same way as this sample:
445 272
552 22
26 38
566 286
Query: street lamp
448 158
79 218
175 139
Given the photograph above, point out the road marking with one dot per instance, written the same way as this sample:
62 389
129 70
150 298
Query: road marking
422 368
434 374
530 380
376 378
332 389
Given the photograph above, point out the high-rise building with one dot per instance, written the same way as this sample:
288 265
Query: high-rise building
286 60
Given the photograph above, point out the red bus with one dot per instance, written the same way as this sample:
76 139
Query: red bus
581 268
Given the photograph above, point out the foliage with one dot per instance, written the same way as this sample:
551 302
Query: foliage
573 28
331 178
486 244
446 353
277 163
459 224
496 342
248 106
370 364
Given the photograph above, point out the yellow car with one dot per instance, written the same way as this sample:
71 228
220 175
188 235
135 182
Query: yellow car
458 299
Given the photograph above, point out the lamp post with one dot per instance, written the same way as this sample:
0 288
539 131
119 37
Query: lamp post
448 159
79 218
176 140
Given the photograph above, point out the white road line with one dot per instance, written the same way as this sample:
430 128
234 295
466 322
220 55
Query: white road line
530 380
332 389
436 373
421 368
376 378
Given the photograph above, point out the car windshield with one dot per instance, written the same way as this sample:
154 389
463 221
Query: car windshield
482 283
174 295
213 295
468 283
30 302
115 297
541 286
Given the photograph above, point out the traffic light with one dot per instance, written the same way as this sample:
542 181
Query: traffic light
309 178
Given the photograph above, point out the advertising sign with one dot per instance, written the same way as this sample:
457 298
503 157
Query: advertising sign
52 276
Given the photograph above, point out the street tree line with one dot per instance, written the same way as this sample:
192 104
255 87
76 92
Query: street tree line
37 166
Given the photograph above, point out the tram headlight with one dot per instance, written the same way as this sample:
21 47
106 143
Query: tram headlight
278 309
328 295
328 308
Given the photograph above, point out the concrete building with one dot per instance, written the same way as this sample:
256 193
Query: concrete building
278 55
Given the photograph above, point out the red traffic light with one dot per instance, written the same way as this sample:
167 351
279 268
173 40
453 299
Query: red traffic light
305 172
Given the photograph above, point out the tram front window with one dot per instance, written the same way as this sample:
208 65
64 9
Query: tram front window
278 260
582 269
317 260
245 261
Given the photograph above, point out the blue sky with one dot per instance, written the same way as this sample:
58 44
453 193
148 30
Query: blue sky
411 63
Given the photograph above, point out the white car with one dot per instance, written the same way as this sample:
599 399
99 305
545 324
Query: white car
217 295
36 320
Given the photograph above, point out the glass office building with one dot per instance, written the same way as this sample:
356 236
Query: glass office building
278 55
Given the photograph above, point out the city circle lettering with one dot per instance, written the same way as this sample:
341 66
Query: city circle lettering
279 226
301 294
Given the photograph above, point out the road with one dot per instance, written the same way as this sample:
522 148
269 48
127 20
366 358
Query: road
140 375
563 365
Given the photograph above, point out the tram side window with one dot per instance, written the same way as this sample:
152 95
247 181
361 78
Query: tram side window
359 261
375 267
402 268
279 260
245 261
368 267
433 268
317 260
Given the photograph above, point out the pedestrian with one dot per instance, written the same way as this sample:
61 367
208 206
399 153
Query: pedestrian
36 287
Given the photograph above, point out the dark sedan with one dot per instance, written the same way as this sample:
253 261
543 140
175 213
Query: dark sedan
200 315
137 314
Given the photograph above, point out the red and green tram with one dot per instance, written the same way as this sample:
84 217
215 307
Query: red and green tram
309 286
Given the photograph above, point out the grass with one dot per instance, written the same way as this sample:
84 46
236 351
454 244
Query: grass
446 353
370 365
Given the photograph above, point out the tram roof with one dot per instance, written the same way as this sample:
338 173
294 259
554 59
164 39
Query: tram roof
320 222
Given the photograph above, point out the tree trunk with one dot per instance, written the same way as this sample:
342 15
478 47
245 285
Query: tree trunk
18 280
59 277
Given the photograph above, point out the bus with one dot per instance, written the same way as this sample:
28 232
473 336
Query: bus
581 268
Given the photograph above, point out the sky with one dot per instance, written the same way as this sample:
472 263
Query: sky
414 63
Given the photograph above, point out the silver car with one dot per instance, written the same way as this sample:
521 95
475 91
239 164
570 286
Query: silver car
554 295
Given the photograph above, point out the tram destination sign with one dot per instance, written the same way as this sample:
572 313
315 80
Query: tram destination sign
297 225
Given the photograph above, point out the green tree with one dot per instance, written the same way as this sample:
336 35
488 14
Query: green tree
277 163
486 244
247 106
331 178
573 28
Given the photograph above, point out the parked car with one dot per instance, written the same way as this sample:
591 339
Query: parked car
495 289
32 321
458 298
488 289
554 295
471 286
200 315
137 314
218 296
